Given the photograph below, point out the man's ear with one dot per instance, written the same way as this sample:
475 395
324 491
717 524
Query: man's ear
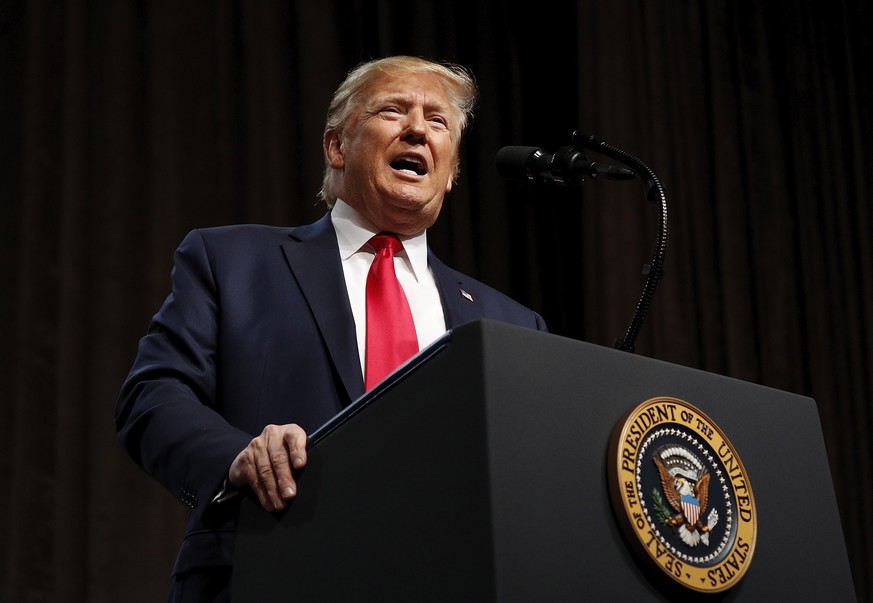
456 172
333 150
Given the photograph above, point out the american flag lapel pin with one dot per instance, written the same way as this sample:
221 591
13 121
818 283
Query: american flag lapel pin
466 295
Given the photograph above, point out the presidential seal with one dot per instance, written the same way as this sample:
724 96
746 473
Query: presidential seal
682 495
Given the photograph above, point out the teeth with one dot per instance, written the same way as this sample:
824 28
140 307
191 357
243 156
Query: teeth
412 165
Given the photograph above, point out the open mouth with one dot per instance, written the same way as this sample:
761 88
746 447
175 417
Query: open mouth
411 165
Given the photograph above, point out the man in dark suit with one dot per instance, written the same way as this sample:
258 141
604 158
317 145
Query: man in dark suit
263 337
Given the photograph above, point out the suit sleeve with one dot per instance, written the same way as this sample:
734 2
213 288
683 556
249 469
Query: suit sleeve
165 416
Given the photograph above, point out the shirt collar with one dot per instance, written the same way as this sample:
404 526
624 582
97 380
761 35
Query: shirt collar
353 231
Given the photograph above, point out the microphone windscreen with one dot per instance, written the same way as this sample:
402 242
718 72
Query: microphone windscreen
513 162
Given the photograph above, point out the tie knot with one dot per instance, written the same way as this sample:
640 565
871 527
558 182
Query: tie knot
386 241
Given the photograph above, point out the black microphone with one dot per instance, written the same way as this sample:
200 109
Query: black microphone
567 166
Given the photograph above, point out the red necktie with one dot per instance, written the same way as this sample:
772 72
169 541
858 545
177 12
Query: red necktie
391 338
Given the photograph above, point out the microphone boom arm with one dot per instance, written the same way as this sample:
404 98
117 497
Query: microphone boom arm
655 270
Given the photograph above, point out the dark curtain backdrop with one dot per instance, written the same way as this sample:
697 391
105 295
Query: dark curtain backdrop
125 124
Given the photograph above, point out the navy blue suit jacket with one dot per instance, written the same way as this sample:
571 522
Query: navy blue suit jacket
257 330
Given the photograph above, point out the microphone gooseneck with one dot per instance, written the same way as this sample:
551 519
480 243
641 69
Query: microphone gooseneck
655 270
569 166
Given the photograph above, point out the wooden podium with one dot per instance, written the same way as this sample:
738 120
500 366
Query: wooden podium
478 472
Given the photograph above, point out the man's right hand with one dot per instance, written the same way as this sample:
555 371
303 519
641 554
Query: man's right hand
268 463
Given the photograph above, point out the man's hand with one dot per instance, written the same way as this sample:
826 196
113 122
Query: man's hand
268 462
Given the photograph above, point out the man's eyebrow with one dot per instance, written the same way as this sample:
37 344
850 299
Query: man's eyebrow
409 98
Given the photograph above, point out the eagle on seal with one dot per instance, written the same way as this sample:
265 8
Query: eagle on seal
685 482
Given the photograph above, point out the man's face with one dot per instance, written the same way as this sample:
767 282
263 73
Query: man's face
398 155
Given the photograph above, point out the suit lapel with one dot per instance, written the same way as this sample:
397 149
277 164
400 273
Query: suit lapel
459 305
313 256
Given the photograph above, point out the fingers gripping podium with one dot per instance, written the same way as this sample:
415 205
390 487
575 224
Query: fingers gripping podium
478 472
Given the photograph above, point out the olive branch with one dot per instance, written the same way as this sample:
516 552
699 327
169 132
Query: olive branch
661 510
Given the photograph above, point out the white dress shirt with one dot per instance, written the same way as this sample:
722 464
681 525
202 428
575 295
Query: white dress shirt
353 233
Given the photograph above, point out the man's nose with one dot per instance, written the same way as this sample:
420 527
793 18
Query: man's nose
416 125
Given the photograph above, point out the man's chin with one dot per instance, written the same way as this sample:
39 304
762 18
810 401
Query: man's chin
410 216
